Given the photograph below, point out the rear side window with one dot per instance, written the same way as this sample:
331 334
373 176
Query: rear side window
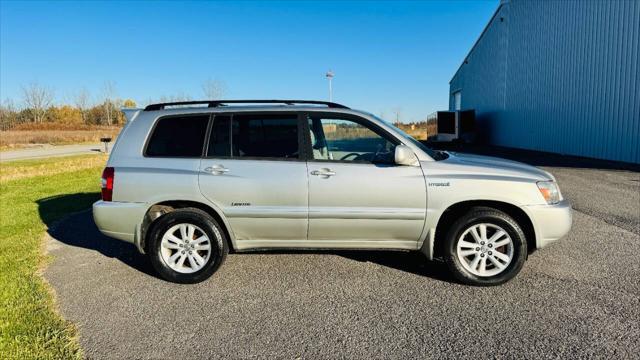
179 136
255 136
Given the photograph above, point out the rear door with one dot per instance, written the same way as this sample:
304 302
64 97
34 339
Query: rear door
357 193
253 171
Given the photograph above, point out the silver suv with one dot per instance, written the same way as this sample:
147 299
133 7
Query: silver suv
188 182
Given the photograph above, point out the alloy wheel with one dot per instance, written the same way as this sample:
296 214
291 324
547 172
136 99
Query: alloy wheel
485 249
185 248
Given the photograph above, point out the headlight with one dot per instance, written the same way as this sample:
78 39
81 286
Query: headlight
550 191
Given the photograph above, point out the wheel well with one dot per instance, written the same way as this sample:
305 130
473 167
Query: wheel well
158 210
453 212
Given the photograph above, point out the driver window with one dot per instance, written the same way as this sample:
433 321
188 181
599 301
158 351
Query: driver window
347 140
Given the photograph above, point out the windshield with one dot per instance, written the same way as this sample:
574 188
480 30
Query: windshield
435 154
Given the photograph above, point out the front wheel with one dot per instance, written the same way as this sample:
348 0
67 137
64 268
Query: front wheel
485 247
187 246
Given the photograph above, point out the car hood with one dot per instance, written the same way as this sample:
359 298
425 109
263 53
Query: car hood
491 166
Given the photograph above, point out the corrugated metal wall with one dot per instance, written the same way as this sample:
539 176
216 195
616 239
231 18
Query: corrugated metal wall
558 76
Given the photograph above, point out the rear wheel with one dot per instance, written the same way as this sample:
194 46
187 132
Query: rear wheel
485 247
187 246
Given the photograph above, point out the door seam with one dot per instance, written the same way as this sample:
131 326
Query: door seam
306 163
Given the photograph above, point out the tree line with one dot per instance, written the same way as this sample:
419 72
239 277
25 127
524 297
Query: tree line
38 106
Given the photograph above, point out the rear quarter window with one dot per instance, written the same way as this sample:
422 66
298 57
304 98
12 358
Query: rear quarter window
178 136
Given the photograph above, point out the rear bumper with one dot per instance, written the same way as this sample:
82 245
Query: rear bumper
551 222
119 220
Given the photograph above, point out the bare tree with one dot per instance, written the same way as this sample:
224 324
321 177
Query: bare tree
38 99
179 96
148 101
109 92
81 100
8 114
214 89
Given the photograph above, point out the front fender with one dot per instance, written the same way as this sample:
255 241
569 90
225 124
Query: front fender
445 192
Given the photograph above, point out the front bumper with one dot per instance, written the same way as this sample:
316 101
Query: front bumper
120 220
551 222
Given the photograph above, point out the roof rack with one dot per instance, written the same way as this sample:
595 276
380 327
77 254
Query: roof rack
218 103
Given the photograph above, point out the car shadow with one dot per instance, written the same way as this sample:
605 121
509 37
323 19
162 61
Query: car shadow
412 262
79 230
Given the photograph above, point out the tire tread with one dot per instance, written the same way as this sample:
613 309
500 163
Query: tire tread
517 236
206 222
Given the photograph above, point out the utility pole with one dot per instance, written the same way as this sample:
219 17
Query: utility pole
397 111
330 75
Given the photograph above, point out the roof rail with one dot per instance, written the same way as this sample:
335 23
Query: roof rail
218 103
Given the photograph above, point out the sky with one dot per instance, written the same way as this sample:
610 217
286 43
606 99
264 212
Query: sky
387 56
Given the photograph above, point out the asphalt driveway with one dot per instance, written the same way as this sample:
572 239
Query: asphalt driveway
578 298
46 151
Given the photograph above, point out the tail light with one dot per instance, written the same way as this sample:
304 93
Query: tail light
107 183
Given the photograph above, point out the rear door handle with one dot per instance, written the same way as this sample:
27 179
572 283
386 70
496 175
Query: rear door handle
216 169
323 172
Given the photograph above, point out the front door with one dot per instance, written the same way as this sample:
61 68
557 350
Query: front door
253 171
358 196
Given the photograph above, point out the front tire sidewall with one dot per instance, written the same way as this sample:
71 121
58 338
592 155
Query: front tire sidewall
492 217
204 222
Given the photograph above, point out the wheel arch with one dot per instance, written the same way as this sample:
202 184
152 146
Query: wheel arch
454 211
156 211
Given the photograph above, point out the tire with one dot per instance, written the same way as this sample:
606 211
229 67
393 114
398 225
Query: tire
465 251
177 246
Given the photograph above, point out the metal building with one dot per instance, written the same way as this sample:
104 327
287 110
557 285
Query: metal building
557 76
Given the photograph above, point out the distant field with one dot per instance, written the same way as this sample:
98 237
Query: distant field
54 134
30 327
417 133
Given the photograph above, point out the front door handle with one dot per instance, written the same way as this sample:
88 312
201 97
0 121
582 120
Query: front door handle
216 169
323 172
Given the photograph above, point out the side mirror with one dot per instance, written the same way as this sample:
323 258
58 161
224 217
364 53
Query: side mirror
405 156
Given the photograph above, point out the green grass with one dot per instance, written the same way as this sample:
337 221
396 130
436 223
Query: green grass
30 327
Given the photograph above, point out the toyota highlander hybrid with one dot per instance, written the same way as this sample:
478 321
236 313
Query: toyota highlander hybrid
188 182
